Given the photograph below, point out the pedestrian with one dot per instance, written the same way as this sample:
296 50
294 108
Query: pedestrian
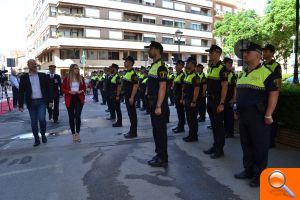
191 90
55 88
217 85
202 93
115 95
257 96
275 67
178 85
230 99
34 89
14 81
158 102
129 89
74 89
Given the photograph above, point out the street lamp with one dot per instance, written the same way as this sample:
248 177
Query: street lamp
178 35
293 38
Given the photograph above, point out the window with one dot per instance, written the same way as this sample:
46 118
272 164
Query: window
176 57
205 27
53 32
195 10
149 2
178 6
130 53
92 54
130 17
145 56
76 33
103 55
93 33
204 43
92 12
132 36
115 15
227 9
149 37
53 12
149 19
182 41
69 54
167 4
196 27
204 58
113 55
117 35
165 57
180 24
167 40
196 42
166 22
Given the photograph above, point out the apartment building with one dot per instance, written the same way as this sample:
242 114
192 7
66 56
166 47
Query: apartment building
96 33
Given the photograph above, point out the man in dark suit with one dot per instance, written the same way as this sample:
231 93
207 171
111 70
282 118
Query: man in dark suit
55 87
34 89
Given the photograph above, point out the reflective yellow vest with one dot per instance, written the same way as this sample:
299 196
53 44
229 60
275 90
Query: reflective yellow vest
114 79
154 68
189 78
214 72
128 75
178 78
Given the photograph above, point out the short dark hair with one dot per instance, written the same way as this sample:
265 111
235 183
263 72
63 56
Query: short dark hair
50 66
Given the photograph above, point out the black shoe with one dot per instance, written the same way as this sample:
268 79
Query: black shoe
55 122
217 155
178 130
158 163
110 118
209 151
36 143
209 127
243 175
130 135
191 139
117 125
44 139
255 182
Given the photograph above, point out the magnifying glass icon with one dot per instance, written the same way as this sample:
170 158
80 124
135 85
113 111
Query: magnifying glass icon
277 180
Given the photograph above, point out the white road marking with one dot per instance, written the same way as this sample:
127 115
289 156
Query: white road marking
29 170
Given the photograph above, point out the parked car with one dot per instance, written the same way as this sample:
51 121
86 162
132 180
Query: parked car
290 79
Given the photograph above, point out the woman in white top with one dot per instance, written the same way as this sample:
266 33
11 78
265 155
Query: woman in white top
74 88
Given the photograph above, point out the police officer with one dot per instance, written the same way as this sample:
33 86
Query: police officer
158 102
55 87
178 85
191 90
129 90
257 95
217 89
107 83
269 61
230 99
171 86
101 86
145 93
142 94
94 82
202 94
138 95
114 94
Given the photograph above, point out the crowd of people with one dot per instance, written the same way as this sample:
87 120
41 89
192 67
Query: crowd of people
250 95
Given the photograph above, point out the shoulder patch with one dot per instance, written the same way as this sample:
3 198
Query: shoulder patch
163 74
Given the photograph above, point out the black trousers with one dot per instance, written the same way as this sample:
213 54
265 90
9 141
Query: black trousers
228 119
180 113
116 108
54 112
74 112
15 96
143 98
95 94
171 96
191 116
274 128
131 109
202 108
159 125
138 98
103 95
255 139
217 122
110 106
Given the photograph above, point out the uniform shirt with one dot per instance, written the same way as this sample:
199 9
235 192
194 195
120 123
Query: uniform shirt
247 96
153 82
277 70
114 86
214 86
231 85
35 86
170 79
14 81
178 85
188 87
203 81
128 85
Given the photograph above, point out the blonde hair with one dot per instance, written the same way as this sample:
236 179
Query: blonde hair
72 76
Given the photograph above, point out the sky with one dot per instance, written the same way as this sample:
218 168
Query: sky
13 14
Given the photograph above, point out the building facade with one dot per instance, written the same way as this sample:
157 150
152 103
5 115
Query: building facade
104 32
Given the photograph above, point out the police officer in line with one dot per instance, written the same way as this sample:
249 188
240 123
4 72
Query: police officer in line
178 85
230 99
101 86
217 85
269 61
158 102
191 90
202 93
115 95
106 85
257 96
94 83
55 87
171 86
145 93
138 95
129 90
142 94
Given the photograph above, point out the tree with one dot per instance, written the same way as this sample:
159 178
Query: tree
243 25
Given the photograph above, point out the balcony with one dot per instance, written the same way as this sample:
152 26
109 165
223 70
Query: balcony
130 17
129 36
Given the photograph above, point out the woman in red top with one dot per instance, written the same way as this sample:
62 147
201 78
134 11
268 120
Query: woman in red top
74 89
